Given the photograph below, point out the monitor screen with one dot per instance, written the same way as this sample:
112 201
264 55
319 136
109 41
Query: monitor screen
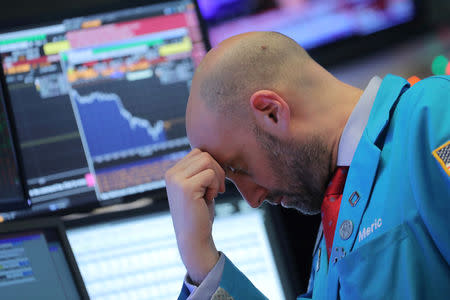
11 191
138 256
99 101
34 264
310 23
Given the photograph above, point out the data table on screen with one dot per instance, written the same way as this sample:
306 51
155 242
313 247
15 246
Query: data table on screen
137 258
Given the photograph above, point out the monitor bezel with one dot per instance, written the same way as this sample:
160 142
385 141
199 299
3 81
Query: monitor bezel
50 224
156 194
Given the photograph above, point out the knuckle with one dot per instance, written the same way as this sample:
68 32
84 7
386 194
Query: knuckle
204 163
205 155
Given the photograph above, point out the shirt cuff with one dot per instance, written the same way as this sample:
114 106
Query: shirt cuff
210 284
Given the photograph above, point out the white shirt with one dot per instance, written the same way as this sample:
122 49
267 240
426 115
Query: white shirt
356 123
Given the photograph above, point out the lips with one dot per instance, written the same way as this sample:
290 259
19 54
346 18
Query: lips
278 200
272 200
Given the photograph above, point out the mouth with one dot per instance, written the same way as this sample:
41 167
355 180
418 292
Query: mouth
275 200
279 200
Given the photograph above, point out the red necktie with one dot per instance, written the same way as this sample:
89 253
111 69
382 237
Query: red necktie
331 204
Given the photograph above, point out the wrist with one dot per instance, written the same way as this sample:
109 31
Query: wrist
199 265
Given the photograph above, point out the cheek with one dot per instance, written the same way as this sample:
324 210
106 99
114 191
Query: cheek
266 176
263 163
263 170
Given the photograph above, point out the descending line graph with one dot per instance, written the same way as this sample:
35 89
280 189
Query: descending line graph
135 122
109 127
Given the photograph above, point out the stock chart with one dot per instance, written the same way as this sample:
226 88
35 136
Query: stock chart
99 100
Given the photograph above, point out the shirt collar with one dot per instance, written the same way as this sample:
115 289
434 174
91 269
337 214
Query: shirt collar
356 123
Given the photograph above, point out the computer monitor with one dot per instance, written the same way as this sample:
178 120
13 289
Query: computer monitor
36 262
315 23
131 256
98 102
11 190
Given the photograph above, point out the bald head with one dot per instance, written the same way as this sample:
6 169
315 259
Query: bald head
246 63
271 116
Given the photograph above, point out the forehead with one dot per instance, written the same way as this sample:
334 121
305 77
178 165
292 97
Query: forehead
209 131
205 129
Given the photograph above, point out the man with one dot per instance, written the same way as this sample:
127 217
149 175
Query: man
266 116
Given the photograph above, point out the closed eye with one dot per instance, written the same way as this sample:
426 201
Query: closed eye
235 171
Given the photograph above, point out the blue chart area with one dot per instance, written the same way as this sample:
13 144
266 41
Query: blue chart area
109 128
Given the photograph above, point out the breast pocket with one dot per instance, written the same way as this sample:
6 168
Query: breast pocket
403 263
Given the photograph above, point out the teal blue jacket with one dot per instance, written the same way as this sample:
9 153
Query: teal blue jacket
392 238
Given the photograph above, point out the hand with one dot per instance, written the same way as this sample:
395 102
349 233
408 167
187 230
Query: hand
192 184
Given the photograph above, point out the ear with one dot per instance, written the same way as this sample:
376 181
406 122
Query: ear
271 111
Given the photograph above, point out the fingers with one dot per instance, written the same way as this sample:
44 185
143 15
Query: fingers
191 187
207 180
203 161
194 163
184 162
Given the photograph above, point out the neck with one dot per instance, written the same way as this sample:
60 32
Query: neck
325 106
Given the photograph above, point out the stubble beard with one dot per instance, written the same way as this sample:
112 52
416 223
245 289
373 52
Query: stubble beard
301 171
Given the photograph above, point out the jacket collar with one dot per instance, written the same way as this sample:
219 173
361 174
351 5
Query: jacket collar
364 165
361 175
378 117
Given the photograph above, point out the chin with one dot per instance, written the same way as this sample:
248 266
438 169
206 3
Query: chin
306 208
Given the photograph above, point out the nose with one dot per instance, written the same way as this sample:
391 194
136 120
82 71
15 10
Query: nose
253 193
